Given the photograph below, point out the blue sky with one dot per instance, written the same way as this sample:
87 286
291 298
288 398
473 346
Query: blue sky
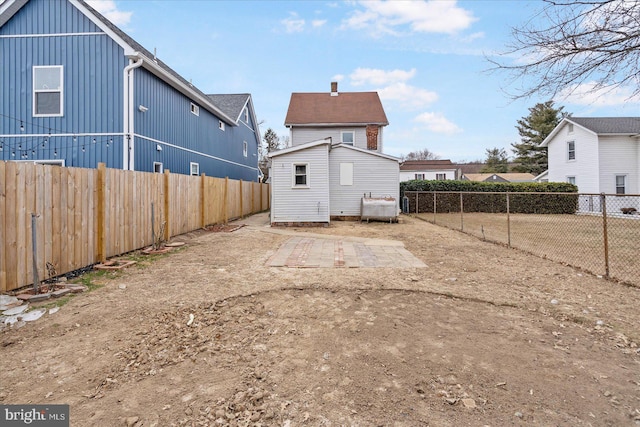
426 59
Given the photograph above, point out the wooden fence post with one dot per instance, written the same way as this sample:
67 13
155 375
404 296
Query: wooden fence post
167 213
203 205
101 204
261 191
3 241
226 199
241 197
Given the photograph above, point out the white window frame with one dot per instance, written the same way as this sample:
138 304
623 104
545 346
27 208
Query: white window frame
197 171
624 184
245 149
420 176
571 180
36 91
221 125
353 133
195 109
160 169
346 174
294 175
571 151
441 176
245 113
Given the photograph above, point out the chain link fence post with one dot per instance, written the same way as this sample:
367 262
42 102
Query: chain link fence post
461 213
434 207
605 233
508 222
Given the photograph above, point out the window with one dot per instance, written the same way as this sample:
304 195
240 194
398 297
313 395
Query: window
621 184
419 176
441 176
195 109
571 150
221 125
194 169
346 173
301 175
570 128
47 91
245 113
244 148
571 180
157 167
347 137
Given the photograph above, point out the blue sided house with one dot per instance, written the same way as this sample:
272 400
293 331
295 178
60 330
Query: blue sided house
75 90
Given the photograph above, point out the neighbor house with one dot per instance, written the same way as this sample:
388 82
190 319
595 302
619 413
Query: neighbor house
499 177
76 91
429 170
599 155
335 158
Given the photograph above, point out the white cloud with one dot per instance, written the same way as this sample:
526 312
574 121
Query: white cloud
317 23
337 78
293 24
409 96
589 94
109 9
374 76
430 16
436 122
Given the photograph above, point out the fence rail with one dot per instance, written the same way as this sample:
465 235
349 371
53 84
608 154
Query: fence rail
84 216
599 233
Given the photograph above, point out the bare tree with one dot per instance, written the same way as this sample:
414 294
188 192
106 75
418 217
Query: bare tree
585 45
423 154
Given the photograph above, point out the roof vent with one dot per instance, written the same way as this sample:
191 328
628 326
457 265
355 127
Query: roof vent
334 88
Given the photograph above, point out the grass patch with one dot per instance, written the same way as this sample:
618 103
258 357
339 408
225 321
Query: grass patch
89 279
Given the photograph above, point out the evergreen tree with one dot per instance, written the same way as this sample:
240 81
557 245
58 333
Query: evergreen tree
533 129
497 161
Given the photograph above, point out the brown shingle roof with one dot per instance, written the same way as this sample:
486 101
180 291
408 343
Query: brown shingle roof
417 165
347 108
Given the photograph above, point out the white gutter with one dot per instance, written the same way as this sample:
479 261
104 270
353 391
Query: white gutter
127 146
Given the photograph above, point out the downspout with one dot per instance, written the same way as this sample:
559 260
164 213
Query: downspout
135 61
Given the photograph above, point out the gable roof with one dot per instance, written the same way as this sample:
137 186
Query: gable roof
369 152
132 49
418 165
231 104
599 126
310 144
609 125
344 108
510 177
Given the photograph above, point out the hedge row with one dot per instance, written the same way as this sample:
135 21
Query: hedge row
542 203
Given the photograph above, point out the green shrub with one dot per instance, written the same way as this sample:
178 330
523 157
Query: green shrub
521 196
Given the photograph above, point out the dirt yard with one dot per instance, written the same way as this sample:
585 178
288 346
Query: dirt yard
210 335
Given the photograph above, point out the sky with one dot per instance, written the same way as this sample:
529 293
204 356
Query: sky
426 59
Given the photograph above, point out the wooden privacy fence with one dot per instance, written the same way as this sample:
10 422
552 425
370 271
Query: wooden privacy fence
84 216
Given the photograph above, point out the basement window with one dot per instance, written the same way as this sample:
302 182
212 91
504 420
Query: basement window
195 109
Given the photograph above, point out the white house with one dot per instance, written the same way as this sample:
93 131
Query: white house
317 181
598 154
429 170
335 158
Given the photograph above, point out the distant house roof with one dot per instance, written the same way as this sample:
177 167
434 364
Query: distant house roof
599 126
605 125
419 165
508 177
335 108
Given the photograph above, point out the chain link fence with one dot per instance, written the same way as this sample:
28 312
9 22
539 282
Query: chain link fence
599 233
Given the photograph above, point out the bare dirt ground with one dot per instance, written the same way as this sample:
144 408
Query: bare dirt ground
484 335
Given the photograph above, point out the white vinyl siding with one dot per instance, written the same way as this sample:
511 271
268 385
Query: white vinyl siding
371 174
426 174
619 156
585 165
300 204
303 135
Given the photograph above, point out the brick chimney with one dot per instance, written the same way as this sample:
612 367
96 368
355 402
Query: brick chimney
372 137
334 88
